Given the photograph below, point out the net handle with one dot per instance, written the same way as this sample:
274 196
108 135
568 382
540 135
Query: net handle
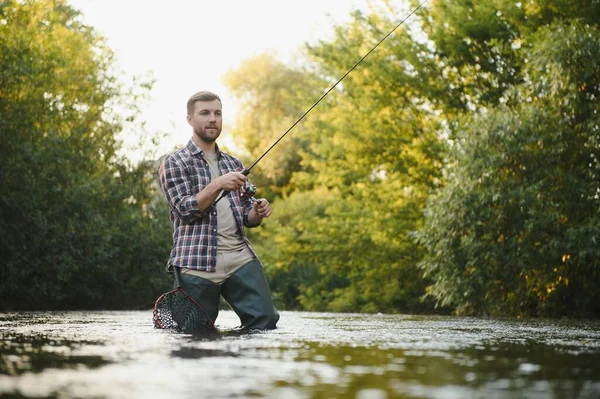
177 277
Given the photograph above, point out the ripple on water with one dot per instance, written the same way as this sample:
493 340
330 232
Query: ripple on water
310 355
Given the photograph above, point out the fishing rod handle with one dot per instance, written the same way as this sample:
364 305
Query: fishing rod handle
245 172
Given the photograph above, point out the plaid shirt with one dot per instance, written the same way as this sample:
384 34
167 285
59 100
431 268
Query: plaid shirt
186 173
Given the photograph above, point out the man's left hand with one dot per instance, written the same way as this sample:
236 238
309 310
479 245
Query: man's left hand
262 208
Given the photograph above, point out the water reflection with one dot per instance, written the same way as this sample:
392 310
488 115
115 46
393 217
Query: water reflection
187 352
37 352
120 355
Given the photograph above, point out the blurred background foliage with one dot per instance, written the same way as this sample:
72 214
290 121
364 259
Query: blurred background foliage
455 170
79 225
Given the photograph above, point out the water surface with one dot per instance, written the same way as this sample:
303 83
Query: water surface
311 355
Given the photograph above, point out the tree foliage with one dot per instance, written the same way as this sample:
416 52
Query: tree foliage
77 225
461 156
340 240
271 96
458 165
515 231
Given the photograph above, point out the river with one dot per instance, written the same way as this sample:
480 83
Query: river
118 354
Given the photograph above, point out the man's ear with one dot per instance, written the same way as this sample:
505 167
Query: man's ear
189 119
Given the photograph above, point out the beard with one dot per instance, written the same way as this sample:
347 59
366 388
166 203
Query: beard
208 135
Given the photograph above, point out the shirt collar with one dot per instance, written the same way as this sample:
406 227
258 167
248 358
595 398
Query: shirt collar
194 149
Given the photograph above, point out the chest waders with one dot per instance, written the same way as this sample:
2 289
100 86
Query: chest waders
246 291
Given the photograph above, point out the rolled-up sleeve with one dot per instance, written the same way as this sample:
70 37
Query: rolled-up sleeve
178 190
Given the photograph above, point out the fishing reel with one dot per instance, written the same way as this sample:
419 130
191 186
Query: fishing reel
248 190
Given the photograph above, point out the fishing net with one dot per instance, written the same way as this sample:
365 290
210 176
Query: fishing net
177 310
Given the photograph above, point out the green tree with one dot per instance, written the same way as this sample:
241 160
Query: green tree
77 225
272 96
510 88
372 154
515 230
382 154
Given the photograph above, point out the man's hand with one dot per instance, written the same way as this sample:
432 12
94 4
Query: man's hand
231 181
261 208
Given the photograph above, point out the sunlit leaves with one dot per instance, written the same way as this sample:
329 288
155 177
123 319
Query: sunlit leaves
273 97
371 152
513 232
510 89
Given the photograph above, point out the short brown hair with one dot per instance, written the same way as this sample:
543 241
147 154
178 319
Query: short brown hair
201 96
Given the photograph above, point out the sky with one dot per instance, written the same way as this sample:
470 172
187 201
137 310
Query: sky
189 45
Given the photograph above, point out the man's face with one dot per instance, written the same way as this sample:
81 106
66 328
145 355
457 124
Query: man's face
206 120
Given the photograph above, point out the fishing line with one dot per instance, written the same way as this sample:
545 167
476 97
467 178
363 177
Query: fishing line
333 87
246 171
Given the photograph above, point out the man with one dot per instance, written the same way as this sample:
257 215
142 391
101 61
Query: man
209 246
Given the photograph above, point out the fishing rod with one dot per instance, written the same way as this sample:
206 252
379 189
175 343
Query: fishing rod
251 189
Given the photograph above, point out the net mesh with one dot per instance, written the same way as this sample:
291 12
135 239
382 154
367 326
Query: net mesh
177 310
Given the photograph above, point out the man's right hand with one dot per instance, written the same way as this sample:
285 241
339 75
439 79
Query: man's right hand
231 181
